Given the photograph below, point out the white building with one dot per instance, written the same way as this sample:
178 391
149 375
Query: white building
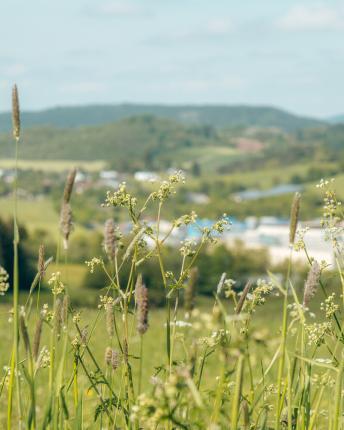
146 176
108 175
109 178
275 238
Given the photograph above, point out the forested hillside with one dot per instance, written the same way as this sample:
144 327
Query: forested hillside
217 116
146 142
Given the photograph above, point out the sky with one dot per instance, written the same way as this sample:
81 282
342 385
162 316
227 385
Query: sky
288 54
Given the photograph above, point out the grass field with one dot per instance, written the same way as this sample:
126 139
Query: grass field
34 214
53 165
154 347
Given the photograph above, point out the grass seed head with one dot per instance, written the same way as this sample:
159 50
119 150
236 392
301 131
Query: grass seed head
294 217
69 186
311 283
243 296
112 358
110 245
109 310
108 355
141 295
66 223
115 359
15 113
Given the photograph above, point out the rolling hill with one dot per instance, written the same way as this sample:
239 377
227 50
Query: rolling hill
147 142
137 142
220 116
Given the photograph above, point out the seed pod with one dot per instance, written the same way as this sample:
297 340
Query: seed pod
66 224
37 338
190 290
141 295
110 239
69 186
15 113
294 217
311 283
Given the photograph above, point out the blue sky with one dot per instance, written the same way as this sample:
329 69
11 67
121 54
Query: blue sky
283 53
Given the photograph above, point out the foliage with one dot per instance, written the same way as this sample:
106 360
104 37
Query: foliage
216 116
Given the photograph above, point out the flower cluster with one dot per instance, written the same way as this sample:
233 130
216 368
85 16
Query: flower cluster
186 219
4 285
167 188
209 234
76 317
332 216
258 296
317 331
299 243
188 248
57 285
120 198
7 371
105 301
228 288
46 314
324 379
43 359
329 306
92 264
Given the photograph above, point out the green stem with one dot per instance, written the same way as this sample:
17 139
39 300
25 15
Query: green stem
15 357
283 347
141 365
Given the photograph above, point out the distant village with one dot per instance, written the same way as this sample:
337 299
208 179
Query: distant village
265 232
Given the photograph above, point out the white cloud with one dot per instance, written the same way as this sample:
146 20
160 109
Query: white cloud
315 17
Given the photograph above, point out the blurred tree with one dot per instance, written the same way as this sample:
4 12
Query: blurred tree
26 270
196 169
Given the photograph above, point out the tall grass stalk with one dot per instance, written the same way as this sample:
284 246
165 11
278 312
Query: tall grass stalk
237 393
14 370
